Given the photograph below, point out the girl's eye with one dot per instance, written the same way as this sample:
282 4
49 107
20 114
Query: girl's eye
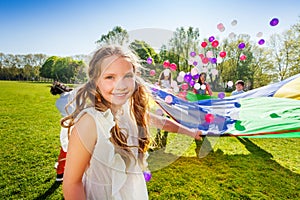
109 77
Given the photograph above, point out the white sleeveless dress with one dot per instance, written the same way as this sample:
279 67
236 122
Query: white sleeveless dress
107 176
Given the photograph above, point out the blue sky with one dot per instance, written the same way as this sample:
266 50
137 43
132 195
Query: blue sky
70 27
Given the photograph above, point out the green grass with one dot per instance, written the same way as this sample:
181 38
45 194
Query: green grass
235 169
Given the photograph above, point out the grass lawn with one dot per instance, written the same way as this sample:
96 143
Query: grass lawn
236 168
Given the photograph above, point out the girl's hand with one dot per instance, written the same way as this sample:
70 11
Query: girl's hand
198 134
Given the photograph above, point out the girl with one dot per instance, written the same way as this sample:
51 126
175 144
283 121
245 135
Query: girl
165 79
202 81
109 134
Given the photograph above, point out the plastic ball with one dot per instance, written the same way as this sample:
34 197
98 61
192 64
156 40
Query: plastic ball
213 60
209 54
169 99
237 105
196 76
179 79
173 66
201 55
203 87
274 22
211 38
221 95
149 60
243 57
215 43
230 83
220 26
147 175
259 34
166 63
181 73
234 22
195 63
261 41
193 54
197 86
222 54
231 35
192 83
187 77
241 45
152 72
184 86
203 44
194 71
176 89
209 118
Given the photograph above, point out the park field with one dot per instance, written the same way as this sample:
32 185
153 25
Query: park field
236 168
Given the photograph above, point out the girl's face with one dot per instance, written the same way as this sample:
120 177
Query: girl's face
202 78
117 81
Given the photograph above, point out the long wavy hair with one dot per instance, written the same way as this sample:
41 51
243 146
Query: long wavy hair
88 95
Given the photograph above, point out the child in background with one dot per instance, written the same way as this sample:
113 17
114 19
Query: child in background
202 81
66 95
239 87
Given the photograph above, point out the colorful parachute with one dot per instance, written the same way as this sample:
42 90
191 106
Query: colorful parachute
251 114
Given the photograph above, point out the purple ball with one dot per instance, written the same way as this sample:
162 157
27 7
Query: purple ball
193 54
274 22
213 60
221 95
211 38
149 61
187 78
147 176
192 83
242 45
196 77
261 41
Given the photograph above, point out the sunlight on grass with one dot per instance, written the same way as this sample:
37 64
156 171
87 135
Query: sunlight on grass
236 168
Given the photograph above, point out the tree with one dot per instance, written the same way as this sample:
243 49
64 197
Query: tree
181 44
117 36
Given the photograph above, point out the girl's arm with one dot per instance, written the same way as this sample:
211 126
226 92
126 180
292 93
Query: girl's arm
78 158
173 126
209 89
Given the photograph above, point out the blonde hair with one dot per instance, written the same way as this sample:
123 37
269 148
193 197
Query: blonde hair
89 95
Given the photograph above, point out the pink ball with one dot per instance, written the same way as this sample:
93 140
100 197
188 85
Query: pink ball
215 43
184 86
166 63
209 118
169 99
173 66
152 72
222 54
203 44
205 60
243 57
